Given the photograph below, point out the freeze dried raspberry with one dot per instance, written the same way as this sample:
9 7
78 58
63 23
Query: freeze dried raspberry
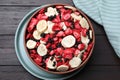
81 46
38 60
76 33
60 34
68 53
84 32
68 31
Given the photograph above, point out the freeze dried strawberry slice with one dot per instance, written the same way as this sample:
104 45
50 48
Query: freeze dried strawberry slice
38 60
55 39
56 27
59 7
29 35
76 33
89 47
59 50
52 52
68 31
48 45
30 27
53 46
42 10
57 19
37 44
60 34
33 51
77 51
77 25
84 56
84 31
68 24
81 46
66 16
42 17
68 53
76 12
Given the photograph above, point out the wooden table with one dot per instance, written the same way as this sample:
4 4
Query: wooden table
103 65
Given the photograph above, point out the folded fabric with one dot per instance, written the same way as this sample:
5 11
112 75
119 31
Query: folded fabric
106 13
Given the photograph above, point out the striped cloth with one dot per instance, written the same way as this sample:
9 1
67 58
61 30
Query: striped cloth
106 13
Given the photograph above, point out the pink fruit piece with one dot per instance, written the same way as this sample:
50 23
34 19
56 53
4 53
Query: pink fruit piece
77 25
48 45
56 27
84 56
42 10
68 53
76 52
38 43
42 17
77 13
76 33
68 24
60 34
84 31
55 39
66 16
89 47
30 27
33 51
53 46
68 31
81 46
38 60
29 35
34 21
57 19
59 7
52 52
59 50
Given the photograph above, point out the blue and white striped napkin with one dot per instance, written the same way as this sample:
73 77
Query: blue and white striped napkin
106 13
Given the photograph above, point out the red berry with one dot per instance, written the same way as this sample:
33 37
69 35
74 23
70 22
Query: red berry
38 60
60 34
84 31
81 46
77 51
84 56
79 39
33 51
59 7
68 53
89 47
48 45
76 33
68 24
77 25
29 35
55 39
66 16
57 19
68 31
52 52
30 27
53 46
42 10
59 50
42 17
56 27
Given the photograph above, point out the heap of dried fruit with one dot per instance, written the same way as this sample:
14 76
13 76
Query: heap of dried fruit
58 38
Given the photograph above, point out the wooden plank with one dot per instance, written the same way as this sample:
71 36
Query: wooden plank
11 16
33 2
103 53
89 72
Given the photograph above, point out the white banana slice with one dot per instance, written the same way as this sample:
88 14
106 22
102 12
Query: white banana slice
30 44
85 40
76 17
41 26
51 11
36 35
50 25
75 62
42 50
90 33
70 7
51 64
62 68
68 41
84 24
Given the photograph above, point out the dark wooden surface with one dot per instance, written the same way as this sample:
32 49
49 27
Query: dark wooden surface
103 65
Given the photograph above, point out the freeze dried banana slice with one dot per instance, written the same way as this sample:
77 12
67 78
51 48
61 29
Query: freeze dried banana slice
68 41
42 50
70 7
30 44
52 64
41 26
84 24
75 62
62 68
36 35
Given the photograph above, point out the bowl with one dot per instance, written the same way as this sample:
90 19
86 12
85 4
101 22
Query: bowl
43 57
